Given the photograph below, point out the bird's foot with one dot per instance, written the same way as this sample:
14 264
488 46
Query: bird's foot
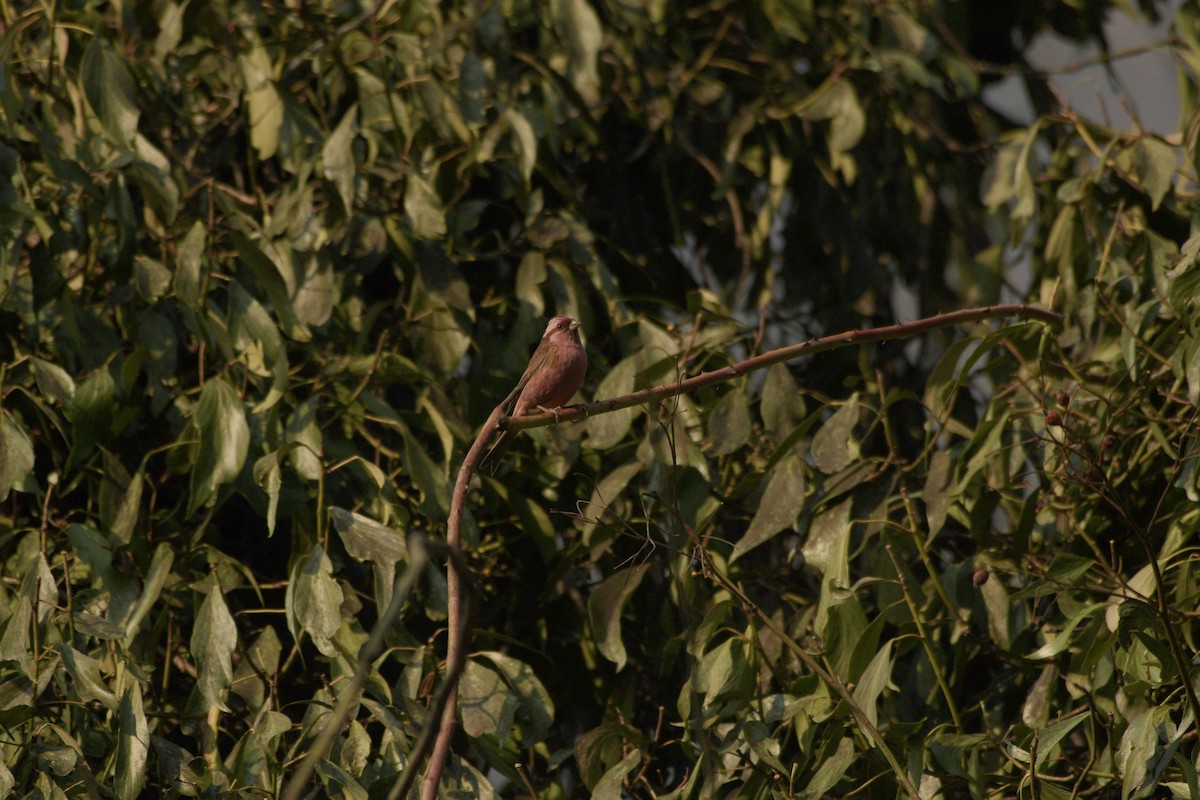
555 410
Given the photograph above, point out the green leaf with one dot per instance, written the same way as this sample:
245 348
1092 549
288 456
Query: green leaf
1063 637
151 173
833 447
536 707
121 515
39 588
85 671
1183 291
729 423
611 784
189 266
133 745
314 294
16 456
110 91
274 274
606 430
605 604
998 605
830 771
1146 747
605 495
303 430
316 599
579 28
15 641
268 476
1153 164
782 405
725 677
827 550
937 492
367 540
526 141
1051 735
264 106
472 89
54 382
423 207
150 278
485 703
91 413
781 503
426 474
873 681
214 640
791 18
220 422
152 585
337 158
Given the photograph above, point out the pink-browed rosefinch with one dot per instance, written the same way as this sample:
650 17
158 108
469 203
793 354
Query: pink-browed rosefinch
554 375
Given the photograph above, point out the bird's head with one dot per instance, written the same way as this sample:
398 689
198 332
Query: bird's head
561 328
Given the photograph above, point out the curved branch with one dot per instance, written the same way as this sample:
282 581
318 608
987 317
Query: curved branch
445 705
458 632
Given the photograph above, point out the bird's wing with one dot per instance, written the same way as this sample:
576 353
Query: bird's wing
538 360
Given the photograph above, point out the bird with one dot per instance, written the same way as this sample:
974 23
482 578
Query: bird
555 372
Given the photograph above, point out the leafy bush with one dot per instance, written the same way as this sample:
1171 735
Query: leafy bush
267 268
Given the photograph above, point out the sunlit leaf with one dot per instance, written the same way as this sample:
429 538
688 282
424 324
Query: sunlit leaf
579 27
316 599
872 683
485 702
53 381
214 640
781 502
85 672
16 456
611 784
264 106
536 707
525 140
423 207
220 423
110 90
606 430
337 157
605 605
729 423
830 771
833 446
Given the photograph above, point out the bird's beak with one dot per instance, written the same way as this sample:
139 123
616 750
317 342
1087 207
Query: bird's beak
574 325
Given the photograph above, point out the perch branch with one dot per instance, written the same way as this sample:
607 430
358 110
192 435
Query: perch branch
903 330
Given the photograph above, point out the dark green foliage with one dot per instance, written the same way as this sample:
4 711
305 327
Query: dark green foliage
265 268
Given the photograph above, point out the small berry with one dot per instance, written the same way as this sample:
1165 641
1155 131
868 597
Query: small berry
980 577
1053 419
1063 398
1108 442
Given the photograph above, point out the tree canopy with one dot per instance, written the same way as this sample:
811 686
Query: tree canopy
267 267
